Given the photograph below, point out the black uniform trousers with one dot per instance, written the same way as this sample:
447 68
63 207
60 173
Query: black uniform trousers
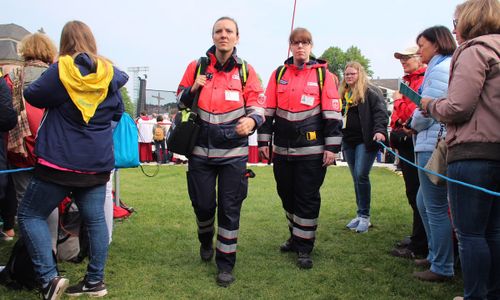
418 237
232 188
298 183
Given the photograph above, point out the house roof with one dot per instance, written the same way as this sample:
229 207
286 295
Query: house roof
8 51
12 31
391 84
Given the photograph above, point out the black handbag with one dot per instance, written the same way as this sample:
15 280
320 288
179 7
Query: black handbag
183 133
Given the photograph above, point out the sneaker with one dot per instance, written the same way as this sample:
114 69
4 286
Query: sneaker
206 252
353 224
304 261
6 237
363 225
55 289
225 278
83 287
287 246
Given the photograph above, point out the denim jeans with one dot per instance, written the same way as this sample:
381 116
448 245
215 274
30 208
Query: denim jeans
360 163
476 216
39 201
433 206
161 154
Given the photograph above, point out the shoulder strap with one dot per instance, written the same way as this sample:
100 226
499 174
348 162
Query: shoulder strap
279 73
201 69
243 72
321 79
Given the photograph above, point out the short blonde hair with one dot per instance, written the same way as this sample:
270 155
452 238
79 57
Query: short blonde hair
479 17
37 46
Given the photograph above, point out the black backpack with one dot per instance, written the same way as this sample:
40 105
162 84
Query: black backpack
19 272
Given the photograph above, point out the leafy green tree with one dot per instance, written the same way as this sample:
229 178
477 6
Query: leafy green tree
129 105
337 59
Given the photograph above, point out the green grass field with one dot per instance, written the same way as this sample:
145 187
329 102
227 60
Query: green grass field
154 254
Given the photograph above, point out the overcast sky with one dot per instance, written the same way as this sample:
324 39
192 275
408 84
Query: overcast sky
166 35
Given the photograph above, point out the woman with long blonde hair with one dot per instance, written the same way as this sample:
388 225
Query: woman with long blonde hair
365 124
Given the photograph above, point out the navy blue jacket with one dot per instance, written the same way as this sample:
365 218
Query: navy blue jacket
64 139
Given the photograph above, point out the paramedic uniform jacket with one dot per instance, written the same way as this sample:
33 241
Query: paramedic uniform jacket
221 103
305 122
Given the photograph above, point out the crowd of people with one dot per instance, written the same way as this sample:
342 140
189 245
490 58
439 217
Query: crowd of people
60 109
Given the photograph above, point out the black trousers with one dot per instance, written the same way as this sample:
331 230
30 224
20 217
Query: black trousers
8 201
298 184
418 238
232 188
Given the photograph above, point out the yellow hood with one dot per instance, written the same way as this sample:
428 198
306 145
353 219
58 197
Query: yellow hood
86 92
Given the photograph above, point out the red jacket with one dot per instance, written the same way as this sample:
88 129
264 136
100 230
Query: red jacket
404 107
222 102
304 123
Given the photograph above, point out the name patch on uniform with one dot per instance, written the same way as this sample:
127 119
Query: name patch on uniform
236 77
307 100
232 95
284 82
312 83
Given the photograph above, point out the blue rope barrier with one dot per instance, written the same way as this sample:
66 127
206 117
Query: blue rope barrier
442 176
16 170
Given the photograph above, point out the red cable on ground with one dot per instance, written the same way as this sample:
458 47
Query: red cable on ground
293 20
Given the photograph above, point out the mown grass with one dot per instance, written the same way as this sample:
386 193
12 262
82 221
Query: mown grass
154 254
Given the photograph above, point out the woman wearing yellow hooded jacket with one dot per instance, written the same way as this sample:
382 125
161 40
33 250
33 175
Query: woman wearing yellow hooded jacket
74 147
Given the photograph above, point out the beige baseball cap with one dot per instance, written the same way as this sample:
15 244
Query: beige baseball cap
406 52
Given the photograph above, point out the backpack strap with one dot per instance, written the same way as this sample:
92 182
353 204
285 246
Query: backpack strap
279 73
321 72
243 71
201 69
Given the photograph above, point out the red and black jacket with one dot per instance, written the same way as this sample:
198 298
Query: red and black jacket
303 122
221 103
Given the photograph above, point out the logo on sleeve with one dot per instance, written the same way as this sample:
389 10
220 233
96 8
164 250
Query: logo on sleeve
336 104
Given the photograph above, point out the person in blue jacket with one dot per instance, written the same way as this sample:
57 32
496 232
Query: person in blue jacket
436 45
74 147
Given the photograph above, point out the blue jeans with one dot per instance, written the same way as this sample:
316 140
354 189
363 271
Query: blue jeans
360 163
433 206
476 216
40 199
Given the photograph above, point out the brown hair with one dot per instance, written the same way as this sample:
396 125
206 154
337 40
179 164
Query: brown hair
229 19
76 37
441 37
37 46
360 86
479 17
301 34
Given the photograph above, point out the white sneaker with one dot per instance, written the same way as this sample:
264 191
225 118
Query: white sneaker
353 224
363 225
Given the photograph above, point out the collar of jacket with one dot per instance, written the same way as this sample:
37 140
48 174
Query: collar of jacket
312 63
419 72
230 63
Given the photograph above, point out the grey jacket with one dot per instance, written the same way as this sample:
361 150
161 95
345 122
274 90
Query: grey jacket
471 110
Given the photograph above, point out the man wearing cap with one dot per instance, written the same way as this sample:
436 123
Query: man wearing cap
401 139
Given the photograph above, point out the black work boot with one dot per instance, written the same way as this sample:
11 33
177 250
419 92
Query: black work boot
304 261
206 252
287 246
224 278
